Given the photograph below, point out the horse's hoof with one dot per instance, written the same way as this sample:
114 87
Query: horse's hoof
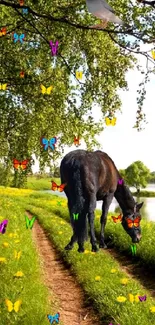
103 245
95 248
68 248
81 250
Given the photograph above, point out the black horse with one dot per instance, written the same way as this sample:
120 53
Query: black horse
93 176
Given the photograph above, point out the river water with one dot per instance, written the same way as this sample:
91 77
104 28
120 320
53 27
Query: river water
147 211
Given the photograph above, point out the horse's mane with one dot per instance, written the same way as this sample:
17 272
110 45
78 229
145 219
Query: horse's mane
124 198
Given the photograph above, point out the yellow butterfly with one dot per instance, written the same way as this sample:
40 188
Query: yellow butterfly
153 54
109 121
12 306
45 90
79 74
133 298
17 255
3 86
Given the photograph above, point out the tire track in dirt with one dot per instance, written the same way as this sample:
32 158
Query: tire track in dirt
66 293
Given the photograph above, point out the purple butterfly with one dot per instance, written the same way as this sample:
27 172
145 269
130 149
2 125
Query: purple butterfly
120 181
3 226
54 47
142 298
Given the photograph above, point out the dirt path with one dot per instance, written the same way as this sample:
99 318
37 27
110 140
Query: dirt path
68 296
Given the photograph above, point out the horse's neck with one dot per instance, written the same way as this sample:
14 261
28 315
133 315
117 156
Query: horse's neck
124 198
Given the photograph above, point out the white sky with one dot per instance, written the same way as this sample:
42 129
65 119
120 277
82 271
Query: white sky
121 142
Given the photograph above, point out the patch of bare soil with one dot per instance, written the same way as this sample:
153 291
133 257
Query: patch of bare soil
66 294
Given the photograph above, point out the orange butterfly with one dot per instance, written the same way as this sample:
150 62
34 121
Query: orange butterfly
22 74
117 219
134 222
3 31
22 164
21 2
76 141
56 187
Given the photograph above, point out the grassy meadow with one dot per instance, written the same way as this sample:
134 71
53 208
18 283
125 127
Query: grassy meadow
110 290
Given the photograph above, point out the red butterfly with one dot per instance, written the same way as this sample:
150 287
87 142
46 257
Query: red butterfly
76 141
117 219
22 164
135 222
56 187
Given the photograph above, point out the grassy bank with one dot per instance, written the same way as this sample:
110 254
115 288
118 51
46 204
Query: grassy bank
20 278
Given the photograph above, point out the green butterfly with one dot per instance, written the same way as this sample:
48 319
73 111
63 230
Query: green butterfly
133 249
59 203
75 216
29 222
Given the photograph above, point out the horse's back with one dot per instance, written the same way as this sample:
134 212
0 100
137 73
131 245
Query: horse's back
96 169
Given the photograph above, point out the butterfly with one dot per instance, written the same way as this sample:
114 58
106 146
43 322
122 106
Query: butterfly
153 54
120 181
45 90
3 226
117 219
3 86
48 143
19 38
142 298
21 2
75 216
133 298
12 306
76 141
25 11
54 318
56 187
133 223
133 249
54 47
79 74
22 164
3 31
17 255
110 121
59 203
29 222
22 74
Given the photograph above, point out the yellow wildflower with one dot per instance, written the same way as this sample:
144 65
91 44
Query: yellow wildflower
3 259
19 274
17 241
5 244
60 232
86 251
113 270
97 278
152 309
124 280
121 299
93 253
62 222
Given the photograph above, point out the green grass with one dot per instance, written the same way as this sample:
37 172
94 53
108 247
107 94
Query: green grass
34 183
102 293
29 288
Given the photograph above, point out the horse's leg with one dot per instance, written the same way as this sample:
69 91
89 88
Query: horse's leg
105 207
91 216
70 245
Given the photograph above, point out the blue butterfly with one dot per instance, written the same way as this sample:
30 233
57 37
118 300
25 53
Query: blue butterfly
19 38
25 11
54 318
48 143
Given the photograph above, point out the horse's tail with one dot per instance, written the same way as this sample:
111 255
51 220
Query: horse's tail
72 173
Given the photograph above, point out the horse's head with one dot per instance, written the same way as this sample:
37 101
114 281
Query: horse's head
131 223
